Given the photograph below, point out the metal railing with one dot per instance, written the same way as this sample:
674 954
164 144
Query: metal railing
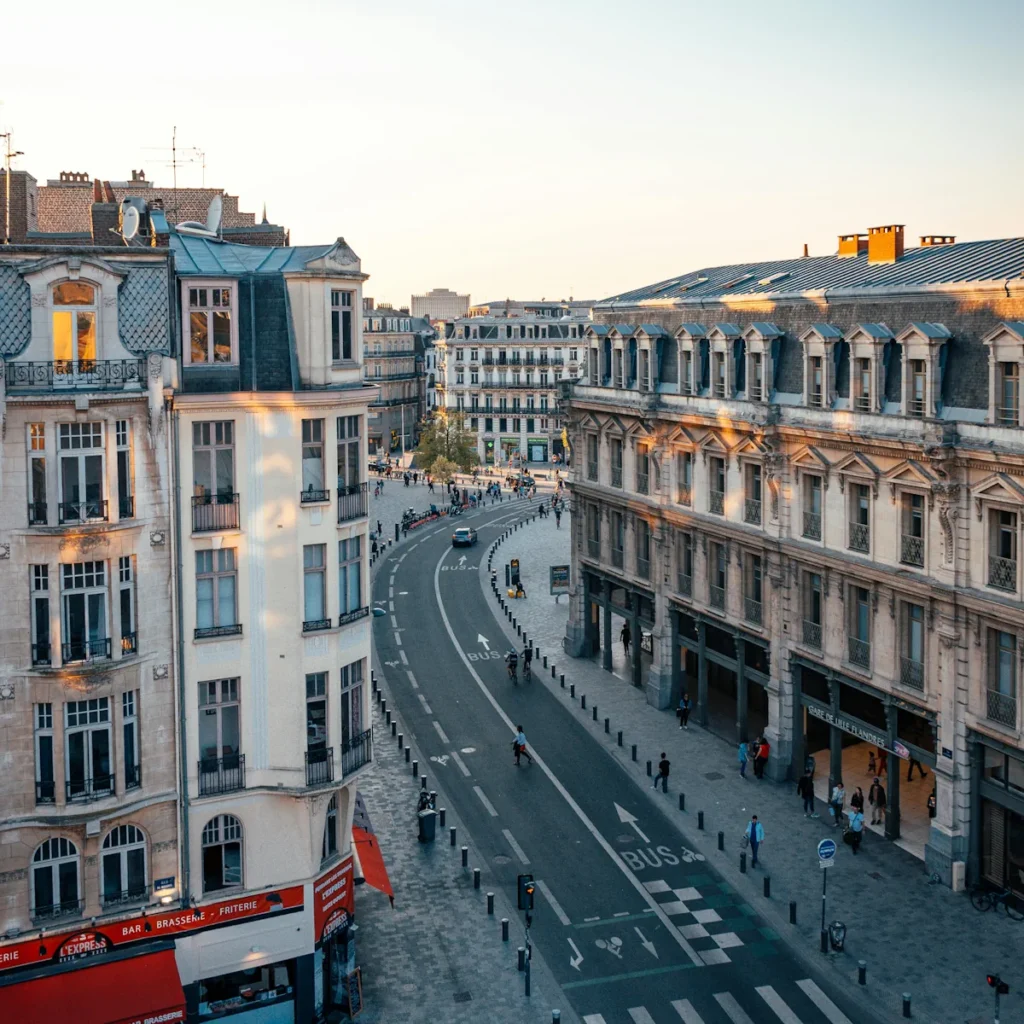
862 403
617 559
684 496
221 774
812 633
716 596
41 654
643 483
129 644
912 673
313 625
309 495
37 513
82 512
643 567
204 632
812 525
684 584
858 651
353 616
752 610
46 792
594 547
132 776
716 502
1001 708
860 537
136 894
319 766
81 374
214 512
911 550
616 476
95 788
64 909
752 511
1002 573
126 506
591 470
93 649
755 393
356 752
816 398
351 502
915 407
1006 415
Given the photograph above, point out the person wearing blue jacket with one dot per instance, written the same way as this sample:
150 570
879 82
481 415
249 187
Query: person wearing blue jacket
755 834
741 756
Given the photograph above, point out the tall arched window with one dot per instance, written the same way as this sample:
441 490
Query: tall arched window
222 853
330 847
55 881
124 865
74 325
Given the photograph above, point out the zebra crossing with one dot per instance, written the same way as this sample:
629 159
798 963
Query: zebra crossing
763 1004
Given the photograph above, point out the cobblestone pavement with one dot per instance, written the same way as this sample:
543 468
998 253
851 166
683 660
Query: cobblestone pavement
914 936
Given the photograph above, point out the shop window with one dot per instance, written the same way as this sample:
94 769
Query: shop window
258 988
124 865
330 844
55 880
222 853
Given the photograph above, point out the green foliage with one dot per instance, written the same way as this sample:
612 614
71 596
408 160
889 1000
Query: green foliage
443 470
447 438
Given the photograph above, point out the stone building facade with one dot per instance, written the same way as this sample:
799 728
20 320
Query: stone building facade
440 304
801 483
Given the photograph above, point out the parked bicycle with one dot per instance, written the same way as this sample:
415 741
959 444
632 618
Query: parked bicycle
986 899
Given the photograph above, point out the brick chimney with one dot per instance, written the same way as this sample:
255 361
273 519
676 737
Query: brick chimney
24 198
852 245
927 241
103 214
885 244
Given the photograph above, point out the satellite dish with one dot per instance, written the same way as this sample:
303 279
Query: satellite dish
213 214
129 223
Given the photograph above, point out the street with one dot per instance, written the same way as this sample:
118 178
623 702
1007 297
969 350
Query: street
635 925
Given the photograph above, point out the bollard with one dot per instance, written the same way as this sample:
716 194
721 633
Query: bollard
465 856
441 814
862 972
384 707
620 737
415 769
552 671
490 903
743 863
394 727
648 769
792 911
521 954
594 709
634 751
906 1004
561 680
519 630
721 840
607 724
767 887
451 835
423 782
504 929
514 626
556 1016
682 801
401 741
476 878
536 654
583 702
408 754
700 821
572 690
387 717
545 661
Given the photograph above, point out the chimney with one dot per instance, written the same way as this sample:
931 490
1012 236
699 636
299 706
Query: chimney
104 220
927 241
885 244
852 245
97 190
806 253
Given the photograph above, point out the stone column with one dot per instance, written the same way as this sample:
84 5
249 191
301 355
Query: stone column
835 740
741 691
892 814
702 675
577 630
607 656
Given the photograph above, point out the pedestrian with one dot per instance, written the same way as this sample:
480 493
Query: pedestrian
876 797
415 478
380 528
836 803
883 762
857 800
685 705
931 804
626 636
741 756
872 766
856 830
373 548
663 766
762 755
755 836
805 788
558 518
405 477
376 490
519 745
430 486
382 482
910 769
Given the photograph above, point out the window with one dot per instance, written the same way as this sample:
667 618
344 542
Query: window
643 469
74 327
84 611
214 501
912 645
618 538
314 587
37 508
594 531
330 844
488 424
474 377
341 325
718 361
313 461
222 853
860 518
716 486
718 566
349 458
813 608
55 883
124 865
755 387
210 335
643 548
216 586
684 478
917 388
816 392
221 765
752 501
1002 555
316 711
1008 394
593 447
812 507
87 768
753 580
126 602
1001 694
858 626
130 738
81 473
125 500
502 423
350 589
687 374
40 615
351 714
862 385
42 719
684 563
616 449
912 530
474 355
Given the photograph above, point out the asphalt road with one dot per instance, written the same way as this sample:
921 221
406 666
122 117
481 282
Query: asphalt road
636 926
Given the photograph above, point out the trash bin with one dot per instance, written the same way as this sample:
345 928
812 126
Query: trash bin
837 935
428 825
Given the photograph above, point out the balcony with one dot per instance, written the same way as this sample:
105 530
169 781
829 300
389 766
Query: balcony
41 654
96 788
591 475
84 375
716 596
310 496
812 525
214 512
46 792
356 752
860 537
315 625
37 513
755 393
126 506
912 550
752 610
1001 708
617 559
643 567
858 652
812 633
93 649
132 776
319 766
353 616
684 496
129 644
206 632
643 483
912 673
594 548
716 502
351 502
752 511
915 408
135 894
221 774
1002 573
58 911
616 476
82 512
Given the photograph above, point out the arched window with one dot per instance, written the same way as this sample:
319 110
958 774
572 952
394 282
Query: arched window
222 853
124 865
55 883
74 325
330 847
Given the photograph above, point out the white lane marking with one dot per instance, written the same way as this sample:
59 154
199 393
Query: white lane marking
640 1015
555 905
398 639
462 764
685 1010
391 591
394 622
412 682
542 764
657 886
822 1002
405 660
736 1012
594 1018
516 848
402 559
440 731
621 913
778 1004
598 918
392 580
426 706
391 606
487 803
403 593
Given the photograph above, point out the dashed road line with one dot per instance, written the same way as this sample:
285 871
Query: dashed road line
398 638
440 731
735 1012
426 706
462 764
621 913
487 803
412 682
516 848
391 606
391 591
555 905
401 654
394 622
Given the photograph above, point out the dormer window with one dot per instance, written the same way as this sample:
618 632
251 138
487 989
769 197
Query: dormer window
209 324
719 374
1006 367
341 325
755 380
816 390
922 345
862 385
1008 394
917 388
74 325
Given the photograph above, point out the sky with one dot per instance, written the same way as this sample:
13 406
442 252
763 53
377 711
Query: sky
545 148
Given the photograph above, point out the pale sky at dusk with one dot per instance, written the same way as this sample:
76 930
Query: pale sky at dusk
542 148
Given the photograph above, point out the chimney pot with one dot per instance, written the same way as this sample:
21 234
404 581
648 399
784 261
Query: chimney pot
885 243
806 252
852 245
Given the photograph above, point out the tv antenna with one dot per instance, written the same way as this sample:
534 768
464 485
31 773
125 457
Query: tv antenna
186 155
9 155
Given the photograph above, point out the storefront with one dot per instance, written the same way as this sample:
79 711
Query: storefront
488 451
334 958
509 449
612 603
537 449
997 840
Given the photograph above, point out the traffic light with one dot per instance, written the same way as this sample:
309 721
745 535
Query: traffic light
526 888
998 984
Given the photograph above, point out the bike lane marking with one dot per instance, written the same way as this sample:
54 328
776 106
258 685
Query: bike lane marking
462 764
487 803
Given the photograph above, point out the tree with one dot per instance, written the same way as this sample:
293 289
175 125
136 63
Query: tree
443 470
447 437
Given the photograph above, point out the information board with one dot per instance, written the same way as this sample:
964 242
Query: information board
559 579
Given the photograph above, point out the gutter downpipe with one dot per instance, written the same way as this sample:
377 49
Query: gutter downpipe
252 325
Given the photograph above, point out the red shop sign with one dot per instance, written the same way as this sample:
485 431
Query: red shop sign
333 899
135 929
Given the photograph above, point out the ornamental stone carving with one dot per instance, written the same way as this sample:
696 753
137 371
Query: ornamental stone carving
948 496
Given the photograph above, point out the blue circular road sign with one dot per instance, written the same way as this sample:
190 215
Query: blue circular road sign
826 849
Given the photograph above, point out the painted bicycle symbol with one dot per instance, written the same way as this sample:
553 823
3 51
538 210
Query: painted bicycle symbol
689 856
613 945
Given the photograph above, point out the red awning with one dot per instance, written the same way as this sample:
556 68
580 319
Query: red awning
372 862
144 988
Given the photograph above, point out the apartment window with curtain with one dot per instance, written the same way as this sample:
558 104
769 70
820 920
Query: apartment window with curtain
684 478
349 447
74 327
643 469
812 507
592 452
355 733
912 645
209 326
812 597
341 325
87 748
314 588
130 738
82 473
313 477
40 583
38 511
860 518
616 452
718 566
912 530
221 764
1001 689
752 499
684 563
753 583
214 500
858 626
216 593
716 486
43 734
350 591
319 760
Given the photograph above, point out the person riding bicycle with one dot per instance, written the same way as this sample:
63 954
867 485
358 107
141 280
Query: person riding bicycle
527 660
512 660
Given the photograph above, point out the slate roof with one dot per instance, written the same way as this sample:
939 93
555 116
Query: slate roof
828 330
961 263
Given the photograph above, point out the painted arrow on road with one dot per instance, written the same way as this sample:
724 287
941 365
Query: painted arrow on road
462 561
481 639
575 961
630 819
646 943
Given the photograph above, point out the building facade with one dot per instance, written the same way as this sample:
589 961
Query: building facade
504 375
440 304
801 484
552 308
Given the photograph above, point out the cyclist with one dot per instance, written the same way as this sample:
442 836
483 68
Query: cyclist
512 660
527 662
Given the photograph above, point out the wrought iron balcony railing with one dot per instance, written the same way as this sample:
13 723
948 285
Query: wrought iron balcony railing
860 537
716 502
643 567
319 766
57 911
221 774
716 596
132 776
46 791
643 483
134 894
812 525
351 502
353 616
1001 708
617 557
616 476
311 495
912 673
82 512
684 496
912 550
37 513
129 644
214 512
858 651
94 788
83 374
356 752
684 584
41 654
594 547
812 633
591 470
1002 573
205 632
752 511
126 506
92 649
752 610
313 625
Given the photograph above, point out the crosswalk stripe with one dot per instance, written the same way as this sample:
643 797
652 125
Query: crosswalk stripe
778 1004
640 1015
736 1012
685 1010
593 1018
822 1002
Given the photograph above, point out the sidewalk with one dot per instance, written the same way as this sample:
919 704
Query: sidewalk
915 937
